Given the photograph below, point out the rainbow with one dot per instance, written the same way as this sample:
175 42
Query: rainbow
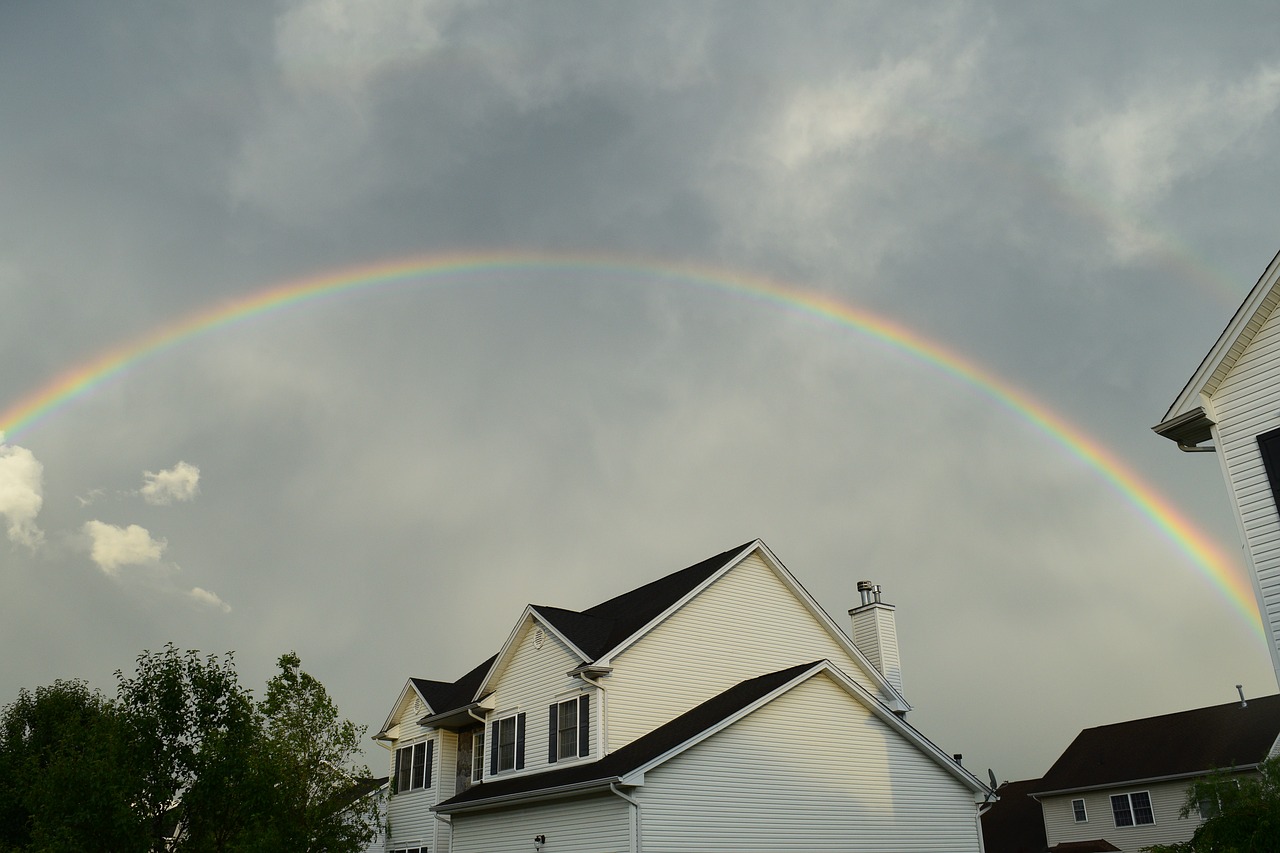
65 388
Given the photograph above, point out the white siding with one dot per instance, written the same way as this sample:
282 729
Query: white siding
409 813
1245 404
746 624
532 679
1166 801
600 824
813 770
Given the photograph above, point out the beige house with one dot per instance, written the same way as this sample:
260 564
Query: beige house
716 708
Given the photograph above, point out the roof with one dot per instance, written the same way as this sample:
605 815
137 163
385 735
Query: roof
1186 422
637 753
1170 746
1015 824
1097 845
602 627
596 630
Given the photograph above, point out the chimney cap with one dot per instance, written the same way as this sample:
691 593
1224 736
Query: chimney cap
865 585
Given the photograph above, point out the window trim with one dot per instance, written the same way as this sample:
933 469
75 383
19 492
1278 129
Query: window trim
477 756
414 766
1081 814
581 729
1132 810
495 751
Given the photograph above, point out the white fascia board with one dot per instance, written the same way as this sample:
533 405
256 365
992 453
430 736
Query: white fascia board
898 702
408 685
1149 780
882 712
636 776
607 658
508 648
571 790
912 734
1190 397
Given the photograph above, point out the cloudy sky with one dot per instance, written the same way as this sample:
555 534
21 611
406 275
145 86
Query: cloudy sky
1072 197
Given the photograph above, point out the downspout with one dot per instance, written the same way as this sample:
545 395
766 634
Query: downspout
635 817
604 715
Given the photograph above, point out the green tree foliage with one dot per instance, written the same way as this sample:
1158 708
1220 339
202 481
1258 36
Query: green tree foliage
61 750
185 760
1244 809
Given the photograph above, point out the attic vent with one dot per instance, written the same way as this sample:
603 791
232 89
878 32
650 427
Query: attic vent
539 638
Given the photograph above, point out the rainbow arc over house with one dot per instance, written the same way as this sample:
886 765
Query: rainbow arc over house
1212 562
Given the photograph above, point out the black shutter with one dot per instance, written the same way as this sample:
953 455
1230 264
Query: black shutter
1269 444
584 725
431 750
519 741
493 750
553 734
395 777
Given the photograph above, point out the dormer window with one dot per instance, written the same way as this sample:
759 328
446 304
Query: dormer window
413 766
569 730
508 744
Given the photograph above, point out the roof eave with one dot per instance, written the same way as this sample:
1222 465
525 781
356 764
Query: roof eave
1146 780
571 790
1188 429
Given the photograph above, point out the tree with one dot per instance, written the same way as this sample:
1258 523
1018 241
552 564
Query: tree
312 750
1244 809
64 777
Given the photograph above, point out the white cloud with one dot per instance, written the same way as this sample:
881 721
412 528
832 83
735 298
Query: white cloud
1137 151
179 483
114 546
21 494
210 598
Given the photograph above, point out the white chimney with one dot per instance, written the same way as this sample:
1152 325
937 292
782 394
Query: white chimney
875 633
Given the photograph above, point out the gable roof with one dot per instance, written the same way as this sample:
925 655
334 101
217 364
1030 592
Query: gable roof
679 734
1170 746
1186 421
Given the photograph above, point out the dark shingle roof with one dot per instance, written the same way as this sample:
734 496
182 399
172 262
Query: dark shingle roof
597 629
437 693
1097 845
642 750
1181 744
1015 824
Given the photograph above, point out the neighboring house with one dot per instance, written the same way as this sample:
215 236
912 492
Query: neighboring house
717 708
1122 786
1233 401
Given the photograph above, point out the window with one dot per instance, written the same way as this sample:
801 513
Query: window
411 850
413 766
507 752
569 729
1269 445
477 756
1132 809
1077 806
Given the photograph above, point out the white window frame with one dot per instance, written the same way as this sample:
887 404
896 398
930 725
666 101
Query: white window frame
398 762
573 704
1132 812
478 758
515 742
1081 815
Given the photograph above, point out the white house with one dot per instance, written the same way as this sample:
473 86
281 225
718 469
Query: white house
716 708
1121 787
1232 405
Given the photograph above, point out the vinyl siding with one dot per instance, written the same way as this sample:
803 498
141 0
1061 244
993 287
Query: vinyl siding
813 770
530 681
747 623
1166 801
409 814
1246 404
598 824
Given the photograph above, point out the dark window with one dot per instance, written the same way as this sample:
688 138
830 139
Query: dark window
413 766
1132 809
1077 806
508 747
567 731
1269 444
477 756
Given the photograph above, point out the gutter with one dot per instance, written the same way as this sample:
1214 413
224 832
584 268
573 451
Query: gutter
557 792
1149 780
